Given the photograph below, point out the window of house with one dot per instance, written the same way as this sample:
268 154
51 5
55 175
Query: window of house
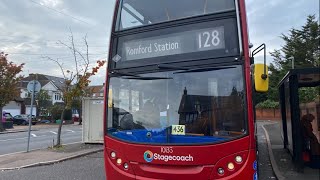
57 96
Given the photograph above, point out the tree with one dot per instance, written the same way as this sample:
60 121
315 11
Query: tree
9 81
302 47
56 111
43 102
76 80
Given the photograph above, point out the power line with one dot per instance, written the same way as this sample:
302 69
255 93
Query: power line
64 60
60 12
52 41
45 40
39 54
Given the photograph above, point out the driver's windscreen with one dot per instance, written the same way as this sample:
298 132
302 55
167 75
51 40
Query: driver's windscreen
178 107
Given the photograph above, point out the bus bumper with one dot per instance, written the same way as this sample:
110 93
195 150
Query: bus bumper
247 171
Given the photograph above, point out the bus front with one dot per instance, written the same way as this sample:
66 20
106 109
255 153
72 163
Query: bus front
178 92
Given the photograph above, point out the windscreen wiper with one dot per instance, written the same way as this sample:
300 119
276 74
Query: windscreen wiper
125 75
119 73
170 67
147 78
204 69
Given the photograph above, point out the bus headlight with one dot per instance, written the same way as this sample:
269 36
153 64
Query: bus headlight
220 171
113 154
238 159
119 161
125 166
230 166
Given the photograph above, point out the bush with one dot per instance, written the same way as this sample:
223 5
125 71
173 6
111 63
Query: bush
308 94
268 104
67 114
56 111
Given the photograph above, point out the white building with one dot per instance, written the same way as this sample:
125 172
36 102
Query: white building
14 107
52 85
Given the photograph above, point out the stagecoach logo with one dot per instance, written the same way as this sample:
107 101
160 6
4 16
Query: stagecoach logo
149 156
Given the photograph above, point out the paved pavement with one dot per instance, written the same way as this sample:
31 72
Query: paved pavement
89 167
46 156
280 158
83 168
264 164
42 136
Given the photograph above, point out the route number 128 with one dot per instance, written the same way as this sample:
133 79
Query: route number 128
208 39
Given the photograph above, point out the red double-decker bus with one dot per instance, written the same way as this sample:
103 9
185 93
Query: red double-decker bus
179 91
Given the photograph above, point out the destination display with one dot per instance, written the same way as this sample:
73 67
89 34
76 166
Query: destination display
172 44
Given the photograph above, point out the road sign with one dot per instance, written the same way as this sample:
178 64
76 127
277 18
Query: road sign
34 86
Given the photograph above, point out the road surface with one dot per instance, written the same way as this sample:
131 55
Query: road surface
42 138
84 168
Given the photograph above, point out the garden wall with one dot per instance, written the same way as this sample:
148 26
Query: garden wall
268 114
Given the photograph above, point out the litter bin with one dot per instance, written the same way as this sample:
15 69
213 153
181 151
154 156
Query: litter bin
8 124
58 121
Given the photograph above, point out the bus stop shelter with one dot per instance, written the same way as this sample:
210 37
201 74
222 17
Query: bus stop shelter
292 110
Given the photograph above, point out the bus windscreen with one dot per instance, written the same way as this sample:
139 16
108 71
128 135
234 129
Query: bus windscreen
135 13
178 107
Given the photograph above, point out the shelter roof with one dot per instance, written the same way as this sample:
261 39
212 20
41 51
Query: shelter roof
307 77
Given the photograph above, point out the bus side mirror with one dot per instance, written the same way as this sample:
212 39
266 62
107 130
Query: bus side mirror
261 78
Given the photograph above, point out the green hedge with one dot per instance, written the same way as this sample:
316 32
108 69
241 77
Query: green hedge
67 114
268 104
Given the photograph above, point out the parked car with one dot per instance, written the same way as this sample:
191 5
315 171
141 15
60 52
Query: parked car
23 119
45 121
75 115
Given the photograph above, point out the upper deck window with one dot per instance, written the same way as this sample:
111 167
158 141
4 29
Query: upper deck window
134 13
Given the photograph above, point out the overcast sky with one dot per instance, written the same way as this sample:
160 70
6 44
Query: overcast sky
30 29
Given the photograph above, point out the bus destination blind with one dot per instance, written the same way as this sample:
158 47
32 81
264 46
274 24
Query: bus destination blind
174 44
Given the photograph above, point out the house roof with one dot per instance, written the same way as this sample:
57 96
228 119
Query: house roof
95 89
57 81
189 103
18 99
43 79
